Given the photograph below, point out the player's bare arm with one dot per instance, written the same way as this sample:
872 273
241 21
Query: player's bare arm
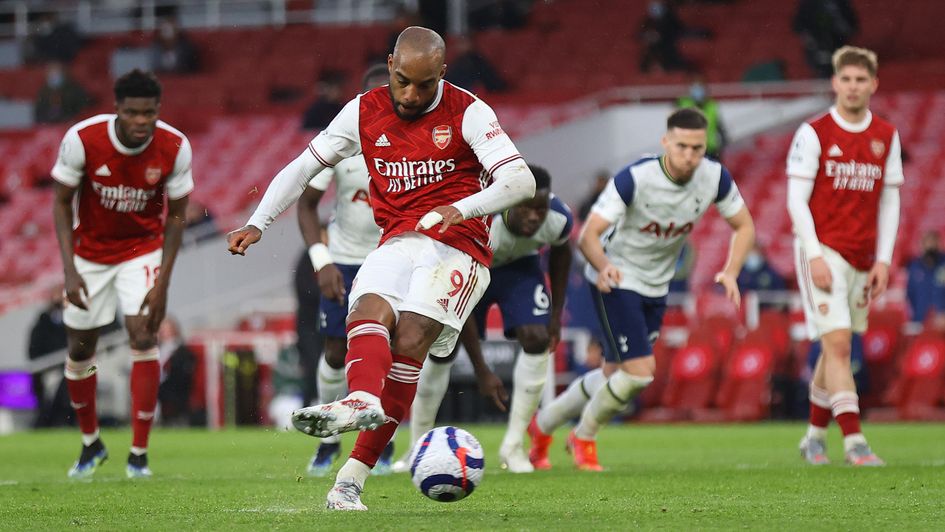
155 301
559 267
62 217
742 241
490 385
330 281
608 276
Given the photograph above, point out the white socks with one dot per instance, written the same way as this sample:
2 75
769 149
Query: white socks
529 376
332 386
620 389
569 404
354 470
89 439
434 380
816 433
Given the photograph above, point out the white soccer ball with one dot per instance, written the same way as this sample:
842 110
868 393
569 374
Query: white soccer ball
446 464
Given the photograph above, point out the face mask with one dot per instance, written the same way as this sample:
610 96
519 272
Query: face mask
55 79
753 262
697 92
657 9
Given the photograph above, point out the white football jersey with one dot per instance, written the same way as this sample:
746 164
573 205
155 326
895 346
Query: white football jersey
652 215
507 247
352 233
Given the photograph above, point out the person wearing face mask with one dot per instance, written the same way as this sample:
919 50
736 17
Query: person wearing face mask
60 99
698 97
926 286
759 276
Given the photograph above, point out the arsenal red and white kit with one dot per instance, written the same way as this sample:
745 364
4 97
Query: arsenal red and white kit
118 231
849 166
120 211
446 154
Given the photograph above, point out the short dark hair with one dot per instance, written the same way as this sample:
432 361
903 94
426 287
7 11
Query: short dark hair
688 118
542 177
377 69
137 84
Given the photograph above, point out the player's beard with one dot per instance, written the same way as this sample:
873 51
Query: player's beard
395 105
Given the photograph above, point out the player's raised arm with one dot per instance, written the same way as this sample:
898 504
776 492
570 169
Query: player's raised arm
339 140
512 181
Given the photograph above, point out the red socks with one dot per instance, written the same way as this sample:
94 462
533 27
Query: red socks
145 378
846 408
369 357
820 411
82 383
398 394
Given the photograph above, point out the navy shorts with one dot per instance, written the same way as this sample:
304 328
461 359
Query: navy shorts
332 313
519 289
631 322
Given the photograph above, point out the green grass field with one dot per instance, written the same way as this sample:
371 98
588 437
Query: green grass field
658 477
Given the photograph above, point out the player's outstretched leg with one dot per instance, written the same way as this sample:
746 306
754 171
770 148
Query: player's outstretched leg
398 394
81 381
529 376
813 445
367 363
565 407
145 379
434 380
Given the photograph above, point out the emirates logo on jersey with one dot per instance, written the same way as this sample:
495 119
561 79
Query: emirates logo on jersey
878 147
152 175
442 135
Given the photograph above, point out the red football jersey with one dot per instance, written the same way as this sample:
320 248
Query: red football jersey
445 155
120 212
853 164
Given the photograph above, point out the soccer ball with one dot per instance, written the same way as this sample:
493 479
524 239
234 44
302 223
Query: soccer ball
446 464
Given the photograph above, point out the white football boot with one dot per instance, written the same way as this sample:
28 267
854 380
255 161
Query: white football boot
345 495
357 411
513 459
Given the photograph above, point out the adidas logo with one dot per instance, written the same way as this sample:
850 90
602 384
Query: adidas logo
382 141
443 302
103 171
835 151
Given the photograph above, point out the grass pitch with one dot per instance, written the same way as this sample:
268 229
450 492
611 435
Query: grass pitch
658 477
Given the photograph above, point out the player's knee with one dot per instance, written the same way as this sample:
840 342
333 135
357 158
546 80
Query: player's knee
410 342
534 339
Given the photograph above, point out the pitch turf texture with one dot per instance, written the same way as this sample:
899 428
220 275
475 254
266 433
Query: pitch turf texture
657 477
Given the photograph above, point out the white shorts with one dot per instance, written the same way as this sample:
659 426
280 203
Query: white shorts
415 273
847 304
109 285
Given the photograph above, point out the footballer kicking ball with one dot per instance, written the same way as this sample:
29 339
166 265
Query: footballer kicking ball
446 464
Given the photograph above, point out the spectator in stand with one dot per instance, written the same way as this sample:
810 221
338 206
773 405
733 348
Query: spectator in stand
60 99
178 375
699 98
48 335
824 26
758 275
172 51
660 32
600 181
926 286
329 100
501 14
471 70
51 40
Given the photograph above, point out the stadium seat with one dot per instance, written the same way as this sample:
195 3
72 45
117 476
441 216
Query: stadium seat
917 394
745 391
693 377
881 348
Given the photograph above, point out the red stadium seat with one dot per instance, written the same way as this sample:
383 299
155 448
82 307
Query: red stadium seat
745 392
693 376
917 394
